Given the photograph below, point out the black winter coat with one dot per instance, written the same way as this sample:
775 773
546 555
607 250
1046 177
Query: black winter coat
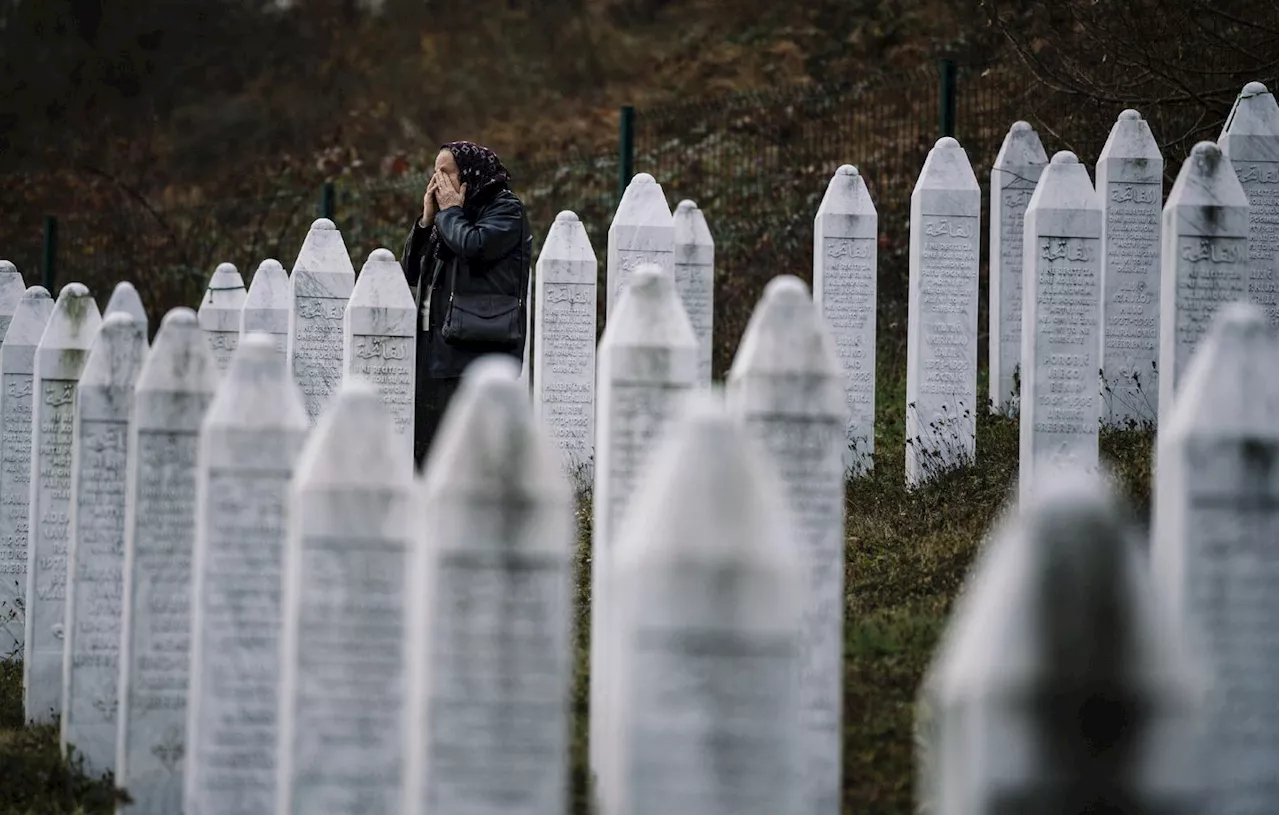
486 248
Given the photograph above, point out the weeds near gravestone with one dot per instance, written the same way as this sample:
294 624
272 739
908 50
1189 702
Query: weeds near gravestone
11 617
1126 393
943 444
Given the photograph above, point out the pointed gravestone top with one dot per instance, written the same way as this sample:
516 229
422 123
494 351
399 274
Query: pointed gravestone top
30 318
650 313
1238 356
691 225
220 312
643 204
1021 146
74 322
323 250
846 194
787 336
567 240
642 231
1207 179
11 290
257 395
378 335
1063 185
225 285
1254 114
695 253
947 168
1130 138
352 443
491 446
176 364
381 284
267 305
114 357
125 299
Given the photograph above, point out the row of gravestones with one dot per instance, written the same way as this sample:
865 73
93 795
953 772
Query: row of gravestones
1080 673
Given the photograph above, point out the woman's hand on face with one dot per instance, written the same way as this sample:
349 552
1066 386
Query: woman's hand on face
429 201
448 195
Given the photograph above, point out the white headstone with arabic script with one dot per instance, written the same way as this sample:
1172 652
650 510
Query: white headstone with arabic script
845 239
648 360
379 335
1204 257
95 564
1249 139
11 290
353 522
249 444
942 314
1058 427
173 392
493 577
60 358
695 262
564 369
220 313
642 231
1013 178
17 366
1130 188
705 632
266 306
787 385
125 299
1214 546
319 288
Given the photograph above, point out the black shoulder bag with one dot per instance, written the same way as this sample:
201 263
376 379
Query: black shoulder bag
486 321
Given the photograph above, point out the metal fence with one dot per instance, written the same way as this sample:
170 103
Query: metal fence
756 163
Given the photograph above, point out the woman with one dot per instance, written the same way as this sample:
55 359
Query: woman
467 259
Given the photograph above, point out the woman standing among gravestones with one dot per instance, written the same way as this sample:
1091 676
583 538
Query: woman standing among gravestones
467 259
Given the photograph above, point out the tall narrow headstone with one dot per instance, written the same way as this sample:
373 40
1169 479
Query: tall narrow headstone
1058 429
319 288
1130 187
11 290
1250 140
1013 179
1204 259
787 384
564 369
648 358
249 444
379 335
1214 546
266 306
642 231
95 561
170 401
17 366
942 314
695 268
344 689
125 299
60 358
1035 704
493 597
220 313
705 633
845 237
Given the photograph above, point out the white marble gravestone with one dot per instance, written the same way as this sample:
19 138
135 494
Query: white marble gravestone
942 314
564 368
124 298
1062 245
1021 709
172 395
378 333
344 692
267 305
95 558
695 268
1249 139
319 288
1013 179
11 290
642 231
845 239
220 313
17 365
60 358
491 673
1214 546
706 630
787 385
249 444
648 358
1204 259
1130 188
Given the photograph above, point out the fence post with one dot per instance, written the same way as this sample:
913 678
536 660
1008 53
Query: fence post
50 254
946 98
626 147
327 200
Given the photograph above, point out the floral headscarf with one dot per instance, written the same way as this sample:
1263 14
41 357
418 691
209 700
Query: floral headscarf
483 173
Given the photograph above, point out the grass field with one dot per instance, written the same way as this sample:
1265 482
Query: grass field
907 556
